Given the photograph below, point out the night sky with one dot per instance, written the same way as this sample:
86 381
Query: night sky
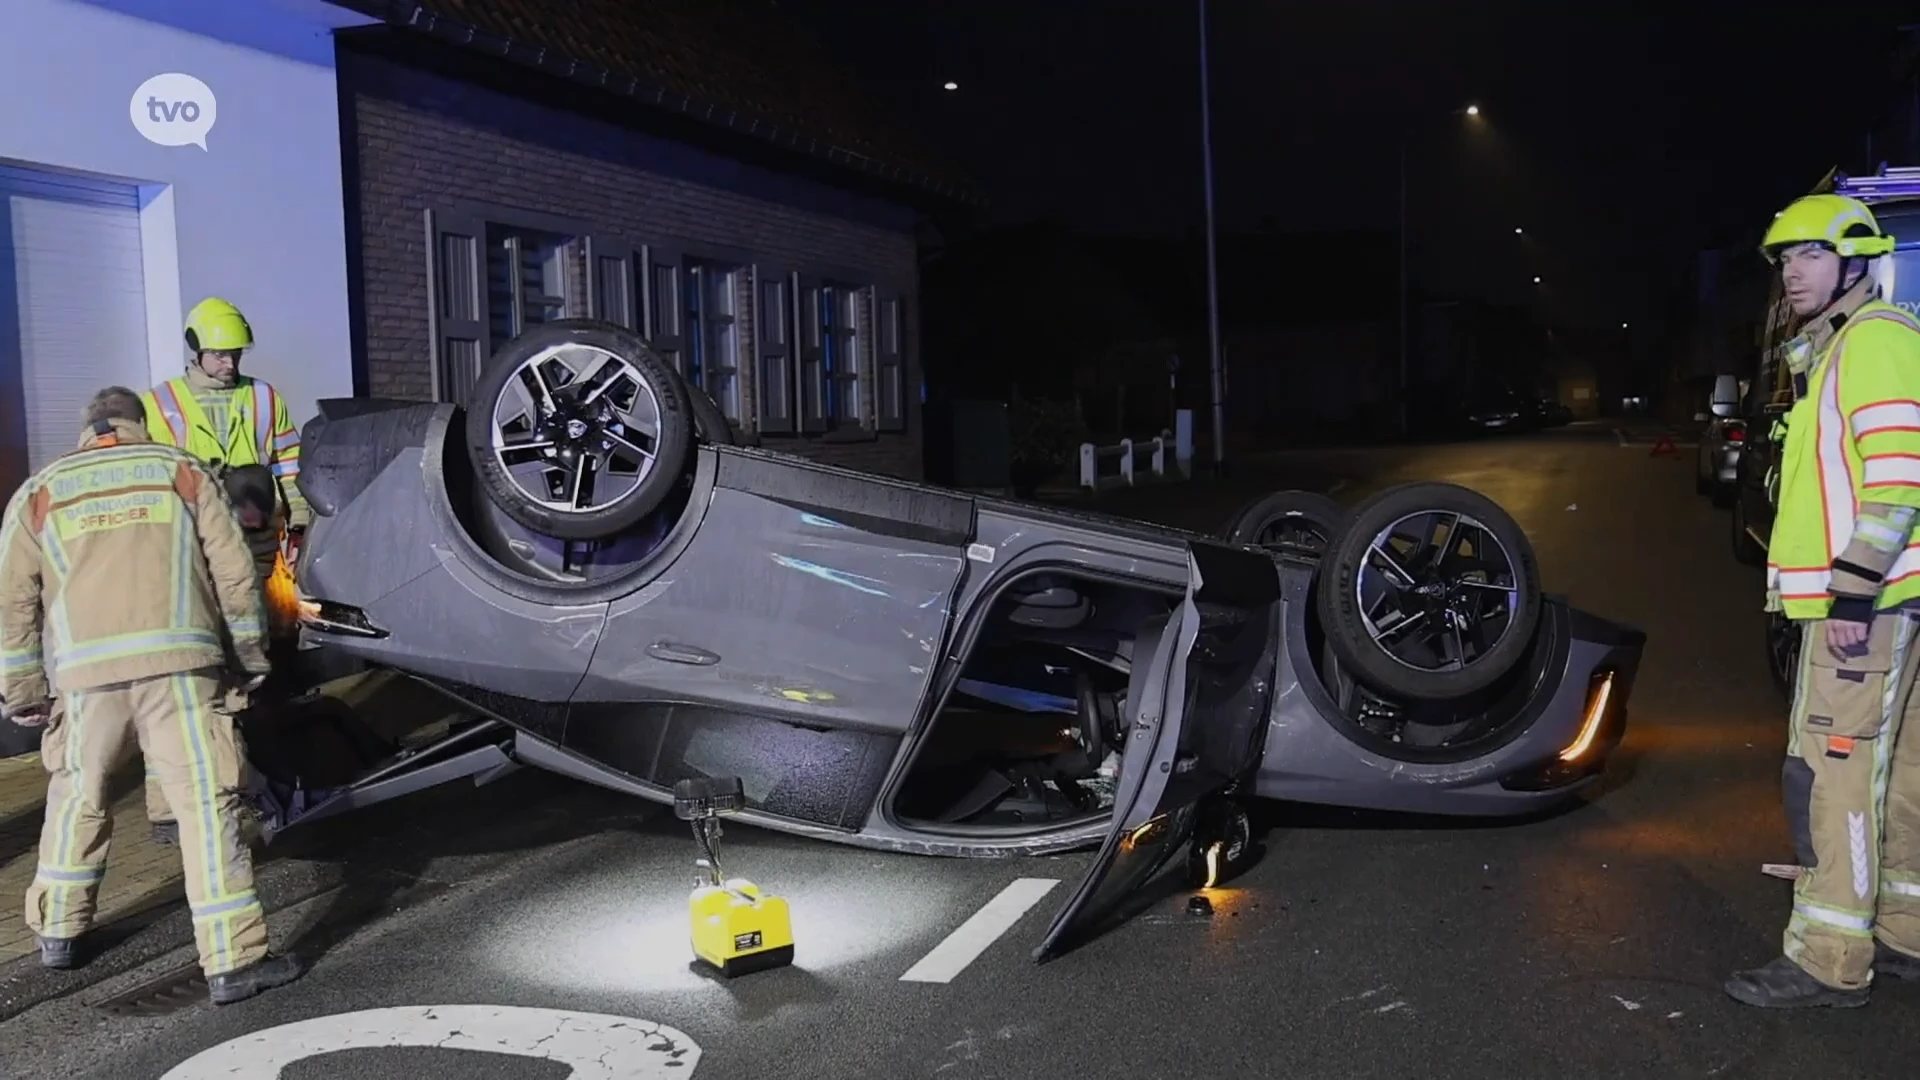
1622 137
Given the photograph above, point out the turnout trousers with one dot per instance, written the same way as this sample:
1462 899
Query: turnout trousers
1853 735
265 544
193 751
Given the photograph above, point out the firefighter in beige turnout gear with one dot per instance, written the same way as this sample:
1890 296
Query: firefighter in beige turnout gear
125 558
1844 561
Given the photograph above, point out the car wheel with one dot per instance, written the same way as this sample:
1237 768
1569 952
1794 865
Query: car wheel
709 423
1432 592
578 430
1288 522
1783 652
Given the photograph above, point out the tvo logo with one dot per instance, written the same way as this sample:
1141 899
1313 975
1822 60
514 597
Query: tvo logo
173 110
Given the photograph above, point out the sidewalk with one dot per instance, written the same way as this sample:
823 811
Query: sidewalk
1205 503
140 873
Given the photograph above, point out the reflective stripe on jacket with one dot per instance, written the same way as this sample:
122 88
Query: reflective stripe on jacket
257 429
128 557
1854 438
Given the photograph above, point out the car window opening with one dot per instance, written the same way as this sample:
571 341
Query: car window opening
1030 734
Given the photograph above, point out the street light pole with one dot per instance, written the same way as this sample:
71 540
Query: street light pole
1405 391
1213 285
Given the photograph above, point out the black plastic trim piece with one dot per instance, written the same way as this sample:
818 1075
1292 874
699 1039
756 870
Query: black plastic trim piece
875 504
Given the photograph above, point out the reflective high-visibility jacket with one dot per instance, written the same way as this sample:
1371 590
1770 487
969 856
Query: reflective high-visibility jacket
129 560
1853 438
249 425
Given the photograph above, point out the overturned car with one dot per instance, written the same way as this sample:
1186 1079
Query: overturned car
618 594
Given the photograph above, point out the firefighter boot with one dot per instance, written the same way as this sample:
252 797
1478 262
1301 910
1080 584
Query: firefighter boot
1896 964
60 954
1783 984
253 979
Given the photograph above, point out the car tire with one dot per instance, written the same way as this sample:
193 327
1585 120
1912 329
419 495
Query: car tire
1783 652
672 446
1345 572
1306 511
709 423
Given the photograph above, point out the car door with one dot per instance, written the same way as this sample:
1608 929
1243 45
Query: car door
1760 472
1198 710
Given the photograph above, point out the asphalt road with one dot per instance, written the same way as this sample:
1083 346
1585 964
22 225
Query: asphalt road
1591 944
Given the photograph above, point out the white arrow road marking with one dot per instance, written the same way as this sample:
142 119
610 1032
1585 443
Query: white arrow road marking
983 928
595 1046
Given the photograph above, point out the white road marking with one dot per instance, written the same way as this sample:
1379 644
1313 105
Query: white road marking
983 928
595 1046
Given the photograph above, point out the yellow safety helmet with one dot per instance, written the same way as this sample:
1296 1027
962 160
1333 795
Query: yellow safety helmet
214 324
1834 221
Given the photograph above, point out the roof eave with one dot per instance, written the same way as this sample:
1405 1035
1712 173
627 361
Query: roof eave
411 15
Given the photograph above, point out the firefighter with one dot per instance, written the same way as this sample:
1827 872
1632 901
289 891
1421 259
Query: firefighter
1844 561
228 420
128 557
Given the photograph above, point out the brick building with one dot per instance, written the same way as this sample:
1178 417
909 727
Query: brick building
725 194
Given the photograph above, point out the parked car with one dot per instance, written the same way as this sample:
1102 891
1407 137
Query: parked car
1717 462
621 596
1502 411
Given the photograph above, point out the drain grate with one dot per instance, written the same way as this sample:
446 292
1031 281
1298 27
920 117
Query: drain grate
168 992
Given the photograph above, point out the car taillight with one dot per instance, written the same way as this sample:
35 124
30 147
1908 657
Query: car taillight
1736 435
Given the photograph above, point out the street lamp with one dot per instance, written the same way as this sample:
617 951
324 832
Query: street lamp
1623 326
951 86
1517 230
1213 283
1536 279
1471 110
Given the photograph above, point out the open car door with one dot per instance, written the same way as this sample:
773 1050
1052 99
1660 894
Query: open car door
1198 714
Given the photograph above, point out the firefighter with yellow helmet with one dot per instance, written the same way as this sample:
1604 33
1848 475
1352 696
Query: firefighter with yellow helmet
1844 560
229 421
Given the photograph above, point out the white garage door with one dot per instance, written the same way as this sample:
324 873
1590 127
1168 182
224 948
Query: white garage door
73 314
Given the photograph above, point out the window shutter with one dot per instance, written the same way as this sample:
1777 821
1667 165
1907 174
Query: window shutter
666 304
613 290
811 381
456 272
773 319
889 360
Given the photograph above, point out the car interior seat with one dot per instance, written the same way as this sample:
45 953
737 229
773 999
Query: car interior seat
1045 602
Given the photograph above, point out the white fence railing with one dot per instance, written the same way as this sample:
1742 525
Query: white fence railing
1124 458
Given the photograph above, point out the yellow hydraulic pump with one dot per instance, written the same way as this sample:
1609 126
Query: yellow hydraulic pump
737 929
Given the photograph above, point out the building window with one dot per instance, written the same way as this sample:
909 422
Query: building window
840 354
491 280
772 334
709 333
830 356
528 280
889 364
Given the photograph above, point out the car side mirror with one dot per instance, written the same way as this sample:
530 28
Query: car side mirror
1726 395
